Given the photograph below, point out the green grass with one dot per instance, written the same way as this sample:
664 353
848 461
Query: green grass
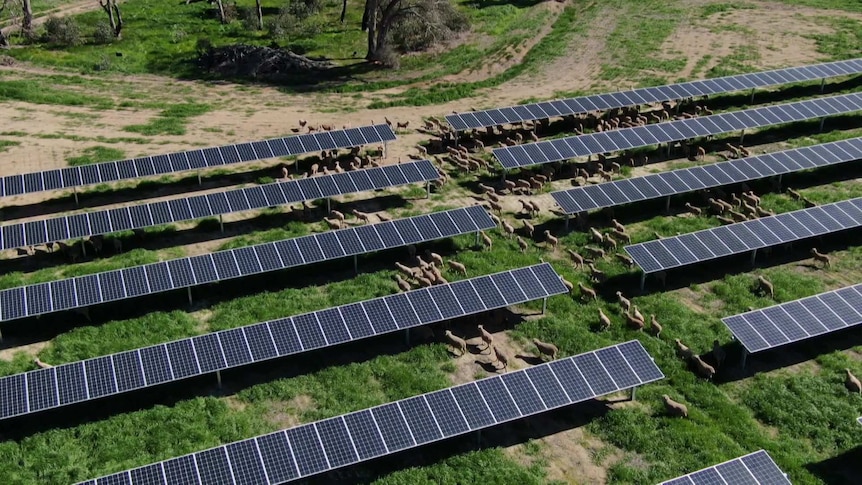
171 121
96 154
844 42
40 93
5 144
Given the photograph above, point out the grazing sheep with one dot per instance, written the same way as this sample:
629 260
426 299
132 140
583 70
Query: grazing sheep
794 194
508 229
332 223
529 228
401 125
595 252
425 282
674 408
43 365
694 210
596 235
486 240
577 259
362 216
496 207
522 244
337 216
718 353
625 259
456 342
637 314
568 284
435 258
526 206
496 219
624 302
683 351
589 293
546 348
597 275
535 207
618 226
820 257
605 322
635 323
766 286
852 382
456 266
553 241
500 357
655 327
704 369
610 243
486 336
408 272
621 235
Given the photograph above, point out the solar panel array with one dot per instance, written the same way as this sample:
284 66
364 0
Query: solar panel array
634 97
321 446
673 182
96 378
797 320
755 468
672 252
249 198
97 173
65 294
672 131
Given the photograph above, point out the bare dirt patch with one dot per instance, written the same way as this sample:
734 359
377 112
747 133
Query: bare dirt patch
31 349
284 414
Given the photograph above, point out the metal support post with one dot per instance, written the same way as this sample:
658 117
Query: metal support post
751 100
669 144
633 394
190 294
356 263
384 151
643 280
822 84
427 190
544 305
477 239
567 222
822 121
199 178
406 336
218 378
667 204
84 247
744 358
479 438
221 222
328 206
503 176
753 256
741 136
1 335
779 181
75 192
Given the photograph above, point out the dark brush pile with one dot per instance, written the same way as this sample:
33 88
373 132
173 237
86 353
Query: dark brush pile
257 62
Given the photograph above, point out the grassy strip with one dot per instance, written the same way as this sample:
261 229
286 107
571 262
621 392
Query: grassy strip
39 93
96 154
5 144
171 121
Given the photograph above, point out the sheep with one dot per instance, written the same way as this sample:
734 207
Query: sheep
496 207
486 189
401 125
546 348
701 153
852 382
596 235
456 342
794 194
618 226
500 357
486 240
43 365
610 243
362 216
522 244
597 275
568 284
577 259
820 257
635 323
332 223
497 221
637 314
526 206
683 351
766 286
425 282
621 235
626 260
435 258
718 353
383 217
704 369
403 285
553 241
751 198
674 408
624 302
605 322
409 272
486 336
534 207
589 293
508 229
655 327
595 252
459 267
528 228
716 206
694 210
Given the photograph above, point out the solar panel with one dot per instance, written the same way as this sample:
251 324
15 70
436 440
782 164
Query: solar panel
634 97
32 300
672 252
193 159
754 468
676 130
797 320
216 203
321 446
663 184
95 378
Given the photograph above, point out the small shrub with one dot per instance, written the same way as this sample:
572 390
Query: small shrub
437 21
103 34
231 12
389 57
249 18
302 9
62 32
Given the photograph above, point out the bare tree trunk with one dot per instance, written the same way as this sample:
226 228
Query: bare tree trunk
119 28
259 15
4 42
343 10
369 21
27 20
115 18
221 16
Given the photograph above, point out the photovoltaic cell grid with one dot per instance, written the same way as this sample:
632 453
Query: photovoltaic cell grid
321 446
66 384
755 468
672 252
797 320
193 159
249 198
634 97
31 300
673 182
672 131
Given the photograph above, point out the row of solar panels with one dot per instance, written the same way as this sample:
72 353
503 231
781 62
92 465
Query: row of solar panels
672 131
97 173
96 378
65 294
634 97
674 182
216 203
755 469
676 251
314 448
797 320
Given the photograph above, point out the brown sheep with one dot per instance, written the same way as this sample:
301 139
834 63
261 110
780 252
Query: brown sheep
508 229
577 259
529 228
456 342
766 286
522 244
820 257
545 348
852 382
486 336
486 240
655 327
624 302
403 285
704 369
552 241
456 266
683 351
604 320
588 293
674 408
500 357
634 323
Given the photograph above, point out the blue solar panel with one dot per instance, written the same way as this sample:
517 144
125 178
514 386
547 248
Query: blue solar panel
754 468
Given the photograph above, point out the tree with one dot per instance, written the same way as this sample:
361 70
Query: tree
259 15
4 42
27 19
343 10
114 17
428 19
